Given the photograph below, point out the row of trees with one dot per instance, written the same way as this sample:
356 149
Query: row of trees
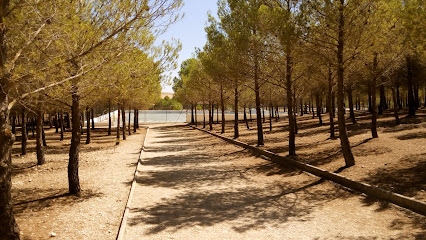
66 57
264 53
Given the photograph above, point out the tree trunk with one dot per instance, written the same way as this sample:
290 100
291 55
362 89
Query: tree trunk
192 114
118 125
8 226
135 119
222 107
373 99
73 179
24 132
129 128
251 118
369 99
270 118
204 116
318 100
245 119
263 115
123 115
56 121
196 117
92 115
351 105
291 122
88 125
43 136
344 141
330 102
258 112
109 117
395 106
61 125
210 116
39 138
236 129
382 104
411 100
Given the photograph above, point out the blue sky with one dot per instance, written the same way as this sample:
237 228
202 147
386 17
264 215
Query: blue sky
190 30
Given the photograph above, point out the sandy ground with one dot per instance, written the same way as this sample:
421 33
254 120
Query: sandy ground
396 161
191 185
42 205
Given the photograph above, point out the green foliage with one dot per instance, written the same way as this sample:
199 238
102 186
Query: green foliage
167 104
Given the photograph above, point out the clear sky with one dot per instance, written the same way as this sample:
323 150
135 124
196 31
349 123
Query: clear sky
190 30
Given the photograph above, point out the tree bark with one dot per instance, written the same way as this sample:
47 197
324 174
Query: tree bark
222 107
73 178
319 106
123 115
204 116
245 119
210 116
351 105
411 100
344 140
61 125
236 129
109 117
24 132
39 138
291 121
118 125
373 99
395 106
330 102
92 115
87 126
129 128
192 114
382 104
135 119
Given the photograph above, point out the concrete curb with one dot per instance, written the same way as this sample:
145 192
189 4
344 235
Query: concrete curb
395 198
123 223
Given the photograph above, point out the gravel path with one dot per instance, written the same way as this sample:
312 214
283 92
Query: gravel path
193 186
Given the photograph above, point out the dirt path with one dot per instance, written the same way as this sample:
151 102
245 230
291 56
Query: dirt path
194 186
42 205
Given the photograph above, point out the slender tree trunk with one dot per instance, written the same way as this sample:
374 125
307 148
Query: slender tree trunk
270 118
373 100
24 132
192 114
109 117
369 98
43 136
88 125
123 115
92 114
56 123
217 113
245 119
210 116
14 124
196 117
351 105
319 101
236 129
39 138
301 107
61 126
263 114
330 102
251 118
411 100
344 141
129 128
291 119
118 124
204 116
135 119
73 178
382 104
222 107
395 106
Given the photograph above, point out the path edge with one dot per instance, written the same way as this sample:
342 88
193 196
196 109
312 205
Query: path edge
395 198
123 223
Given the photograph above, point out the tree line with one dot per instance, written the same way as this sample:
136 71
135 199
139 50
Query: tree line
59 60
297 54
